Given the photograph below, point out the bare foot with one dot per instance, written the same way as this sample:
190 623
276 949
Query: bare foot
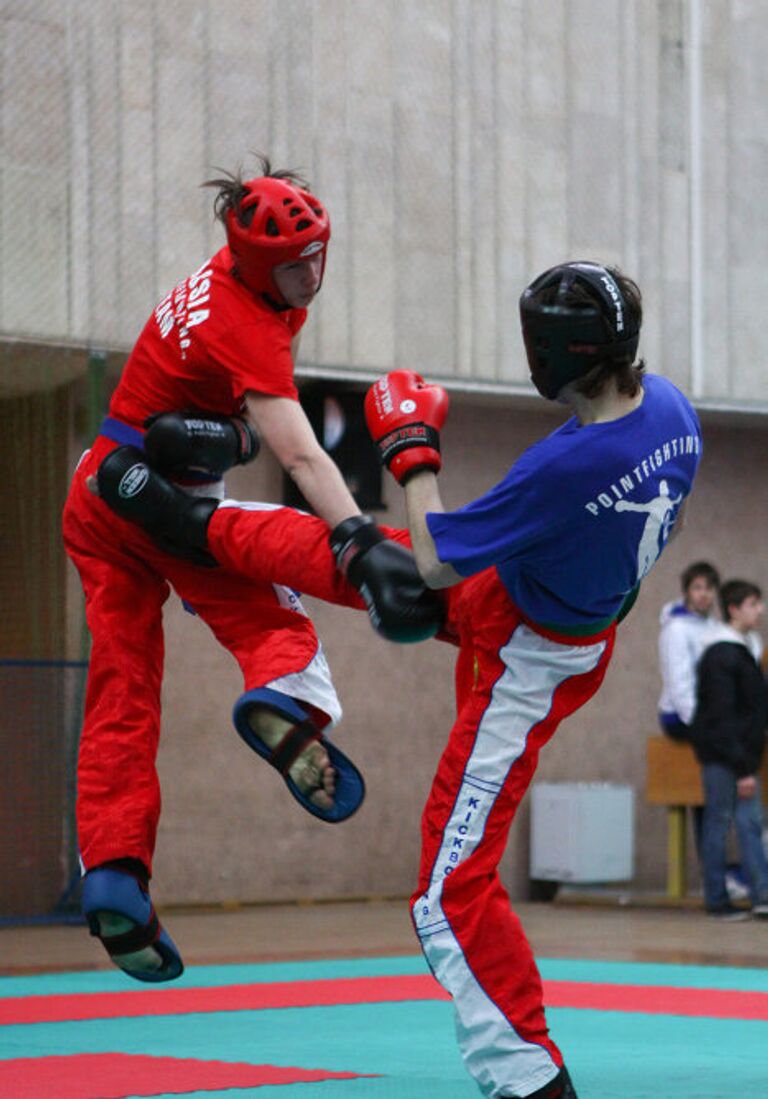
146 960
311 771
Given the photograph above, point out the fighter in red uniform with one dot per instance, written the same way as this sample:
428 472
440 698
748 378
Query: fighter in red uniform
221 346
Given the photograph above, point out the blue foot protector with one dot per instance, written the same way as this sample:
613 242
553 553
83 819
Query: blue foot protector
350 787
112 889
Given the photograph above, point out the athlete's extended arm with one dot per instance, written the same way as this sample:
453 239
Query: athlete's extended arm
422 495
284 427
404 416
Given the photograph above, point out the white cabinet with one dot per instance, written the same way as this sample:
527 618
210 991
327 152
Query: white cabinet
582 832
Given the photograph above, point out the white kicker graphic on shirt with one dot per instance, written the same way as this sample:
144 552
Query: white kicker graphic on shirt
660 512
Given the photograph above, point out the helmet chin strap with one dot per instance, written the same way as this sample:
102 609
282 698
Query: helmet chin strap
279 307
272 302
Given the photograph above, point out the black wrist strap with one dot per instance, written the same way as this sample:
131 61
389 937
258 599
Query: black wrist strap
352 538
405 438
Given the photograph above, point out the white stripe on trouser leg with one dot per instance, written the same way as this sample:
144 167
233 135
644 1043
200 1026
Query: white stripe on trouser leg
496 1055
255 505
312 684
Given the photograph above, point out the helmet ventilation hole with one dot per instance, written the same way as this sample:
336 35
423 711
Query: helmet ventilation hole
245 217
303 224
271 228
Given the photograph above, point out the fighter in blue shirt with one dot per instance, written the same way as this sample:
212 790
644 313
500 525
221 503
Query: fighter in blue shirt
539 569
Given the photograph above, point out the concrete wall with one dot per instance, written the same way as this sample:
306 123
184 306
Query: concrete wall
230 831
461 146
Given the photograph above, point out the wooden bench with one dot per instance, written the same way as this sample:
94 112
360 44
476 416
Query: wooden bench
673 779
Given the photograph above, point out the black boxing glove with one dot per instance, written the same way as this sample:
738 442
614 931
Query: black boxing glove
179 441
400 605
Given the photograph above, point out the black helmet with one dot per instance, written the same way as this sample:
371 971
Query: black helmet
564 340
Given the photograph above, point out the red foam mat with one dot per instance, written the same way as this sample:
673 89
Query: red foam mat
118 1075
186 1001
650 999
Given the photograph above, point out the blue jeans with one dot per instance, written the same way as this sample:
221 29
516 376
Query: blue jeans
721 806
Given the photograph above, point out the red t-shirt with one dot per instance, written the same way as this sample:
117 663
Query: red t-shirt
207 343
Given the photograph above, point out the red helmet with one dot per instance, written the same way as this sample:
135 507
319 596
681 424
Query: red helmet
276 222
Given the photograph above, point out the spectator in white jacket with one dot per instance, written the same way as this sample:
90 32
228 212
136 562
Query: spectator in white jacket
688 626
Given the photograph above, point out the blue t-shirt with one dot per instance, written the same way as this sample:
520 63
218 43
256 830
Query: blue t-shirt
584 513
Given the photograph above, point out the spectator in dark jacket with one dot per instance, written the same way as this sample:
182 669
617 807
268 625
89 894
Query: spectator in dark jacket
729 730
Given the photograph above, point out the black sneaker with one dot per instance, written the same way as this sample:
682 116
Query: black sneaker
728 913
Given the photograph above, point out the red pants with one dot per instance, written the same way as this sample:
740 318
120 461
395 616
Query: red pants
513 686
126 580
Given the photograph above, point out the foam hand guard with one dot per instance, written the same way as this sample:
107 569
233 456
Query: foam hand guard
400 605
404 416
179 441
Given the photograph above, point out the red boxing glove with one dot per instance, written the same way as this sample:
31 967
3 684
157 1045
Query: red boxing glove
404 416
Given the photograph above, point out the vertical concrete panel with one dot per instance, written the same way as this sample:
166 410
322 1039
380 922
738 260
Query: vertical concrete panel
81 205
182 208
35 99
371 193
547 140
330 340
137 58
674 304
596 151
485 123
717 170
101 66
423 184
238 113
513 274
423 334
373 216
648 269
747 224
630 110
34 195
238 97
462 200
473 201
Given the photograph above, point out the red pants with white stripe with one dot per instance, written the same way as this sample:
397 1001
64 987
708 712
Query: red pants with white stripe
514 686
258 618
